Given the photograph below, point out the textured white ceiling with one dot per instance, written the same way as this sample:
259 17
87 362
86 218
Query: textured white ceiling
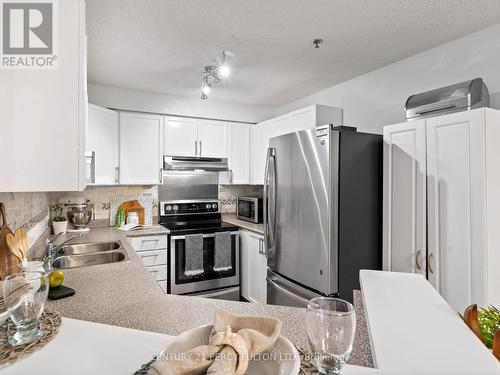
163 45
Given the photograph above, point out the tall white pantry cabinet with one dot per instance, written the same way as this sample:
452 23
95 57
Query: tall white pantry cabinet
442 204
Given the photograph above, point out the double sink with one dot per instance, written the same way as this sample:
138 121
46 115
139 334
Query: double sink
89 254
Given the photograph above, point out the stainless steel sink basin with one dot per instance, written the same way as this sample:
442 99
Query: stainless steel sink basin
85 248
89 259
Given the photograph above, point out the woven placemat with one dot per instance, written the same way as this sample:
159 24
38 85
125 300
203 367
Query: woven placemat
49 323
307 366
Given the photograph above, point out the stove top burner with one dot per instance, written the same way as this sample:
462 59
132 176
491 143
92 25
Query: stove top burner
194 216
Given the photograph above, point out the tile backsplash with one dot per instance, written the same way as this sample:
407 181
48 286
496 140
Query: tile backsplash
31 211
100 198
228 194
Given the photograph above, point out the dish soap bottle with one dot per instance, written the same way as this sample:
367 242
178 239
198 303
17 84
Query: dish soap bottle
120 217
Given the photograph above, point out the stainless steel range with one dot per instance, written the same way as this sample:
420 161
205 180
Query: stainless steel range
203 252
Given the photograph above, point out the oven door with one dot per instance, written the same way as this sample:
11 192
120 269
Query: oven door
180 283
245 210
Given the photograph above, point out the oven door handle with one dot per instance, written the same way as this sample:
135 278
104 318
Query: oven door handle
205 235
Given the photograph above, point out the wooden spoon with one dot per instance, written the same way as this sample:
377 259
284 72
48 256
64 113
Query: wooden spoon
14 246
22 241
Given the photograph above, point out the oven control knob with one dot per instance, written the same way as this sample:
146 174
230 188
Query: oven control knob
175 207
214 206
208 206
168 207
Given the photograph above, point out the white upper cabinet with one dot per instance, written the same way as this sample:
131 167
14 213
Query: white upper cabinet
314 115
184 136
454 158
140 141
239 153
44 114
212 138
404 197
259 143
103 131
280 125
181 136
305 118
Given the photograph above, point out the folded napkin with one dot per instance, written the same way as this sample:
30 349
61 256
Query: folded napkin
233 342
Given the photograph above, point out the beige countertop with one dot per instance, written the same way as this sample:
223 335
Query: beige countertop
125 294
231 219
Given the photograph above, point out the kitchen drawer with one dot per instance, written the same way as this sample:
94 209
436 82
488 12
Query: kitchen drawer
159 272
149 242
153 257
163 286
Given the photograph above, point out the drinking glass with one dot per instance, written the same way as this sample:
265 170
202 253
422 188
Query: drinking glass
25 294
330 327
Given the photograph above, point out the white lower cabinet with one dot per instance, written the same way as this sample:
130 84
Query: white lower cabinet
253 268
451 236
152 250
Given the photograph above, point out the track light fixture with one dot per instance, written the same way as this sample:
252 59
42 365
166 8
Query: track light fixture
213 74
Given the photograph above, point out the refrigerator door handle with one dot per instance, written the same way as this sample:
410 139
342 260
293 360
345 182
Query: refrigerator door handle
273 283
269 201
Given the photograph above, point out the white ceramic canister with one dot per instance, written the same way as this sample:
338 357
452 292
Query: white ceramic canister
132 218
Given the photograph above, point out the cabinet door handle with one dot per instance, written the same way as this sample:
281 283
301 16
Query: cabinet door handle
195 148
429 263
200 148
117 175
417 260
230 176
161 176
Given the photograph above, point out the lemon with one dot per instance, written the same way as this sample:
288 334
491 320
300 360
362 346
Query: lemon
56 279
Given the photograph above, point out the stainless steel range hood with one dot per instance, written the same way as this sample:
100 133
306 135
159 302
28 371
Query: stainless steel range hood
462 96
190 163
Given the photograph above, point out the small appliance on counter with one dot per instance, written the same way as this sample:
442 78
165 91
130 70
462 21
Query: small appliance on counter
459 97
78 212
250 209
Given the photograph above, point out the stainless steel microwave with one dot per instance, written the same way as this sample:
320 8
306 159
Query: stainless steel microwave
250 209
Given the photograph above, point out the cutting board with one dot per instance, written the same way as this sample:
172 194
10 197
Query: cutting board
8 262
133 206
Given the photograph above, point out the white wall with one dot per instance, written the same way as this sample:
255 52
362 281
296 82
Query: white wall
378 98
118 98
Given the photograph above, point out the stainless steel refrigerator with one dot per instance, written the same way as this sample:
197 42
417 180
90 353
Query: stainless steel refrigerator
322 213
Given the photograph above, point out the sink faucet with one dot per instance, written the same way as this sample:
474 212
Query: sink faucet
51 250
